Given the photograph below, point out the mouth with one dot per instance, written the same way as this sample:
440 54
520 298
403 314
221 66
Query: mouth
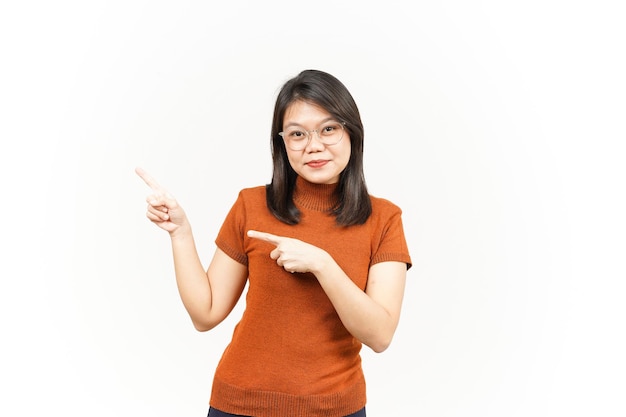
317 163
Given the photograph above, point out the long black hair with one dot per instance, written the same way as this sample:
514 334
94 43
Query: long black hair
324 90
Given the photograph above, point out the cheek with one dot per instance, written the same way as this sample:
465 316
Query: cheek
346 152
292 158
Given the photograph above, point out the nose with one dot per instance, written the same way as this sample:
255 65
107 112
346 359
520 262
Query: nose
315 141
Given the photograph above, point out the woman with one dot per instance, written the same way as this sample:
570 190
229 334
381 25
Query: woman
325 261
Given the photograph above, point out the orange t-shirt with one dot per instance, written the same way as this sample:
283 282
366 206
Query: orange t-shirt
290 354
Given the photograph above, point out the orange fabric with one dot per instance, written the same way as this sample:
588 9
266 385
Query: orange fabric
290 355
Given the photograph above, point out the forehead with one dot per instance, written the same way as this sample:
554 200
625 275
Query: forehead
305 111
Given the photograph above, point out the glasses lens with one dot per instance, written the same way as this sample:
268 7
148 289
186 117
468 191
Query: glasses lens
296 139
330 133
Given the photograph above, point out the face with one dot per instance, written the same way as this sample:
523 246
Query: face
316 163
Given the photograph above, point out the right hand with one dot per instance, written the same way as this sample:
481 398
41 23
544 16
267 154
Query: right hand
163 209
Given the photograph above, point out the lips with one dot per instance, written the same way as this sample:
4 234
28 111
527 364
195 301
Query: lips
317 163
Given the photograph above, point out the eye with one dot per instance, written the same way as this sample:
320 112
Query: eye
296 134
330 129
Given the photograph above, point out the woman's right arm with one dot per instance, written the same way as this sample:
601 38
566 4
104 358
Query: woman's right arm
207 296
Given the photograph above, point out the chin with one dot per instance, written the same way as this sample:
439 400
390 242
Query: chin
319 177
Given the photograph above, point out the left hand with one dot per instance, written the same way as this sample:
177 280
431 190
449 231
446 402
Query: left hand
292 254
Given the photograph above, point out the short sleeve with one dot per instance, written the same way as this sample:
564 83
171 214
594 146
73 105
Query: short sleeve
391 244
230 237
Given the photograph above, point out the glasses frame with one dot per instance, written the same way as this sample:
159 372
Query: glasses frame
309 136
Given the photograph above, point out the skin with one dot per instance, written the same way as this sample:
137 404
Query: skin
209 296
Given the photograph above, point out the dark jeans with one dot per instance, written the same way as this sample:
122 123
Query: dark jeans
213 412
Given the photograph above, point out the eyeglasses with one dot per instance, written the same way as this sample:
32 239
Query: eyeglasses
296 138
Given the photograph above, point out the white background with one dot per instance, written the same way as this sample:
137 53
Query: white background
497 126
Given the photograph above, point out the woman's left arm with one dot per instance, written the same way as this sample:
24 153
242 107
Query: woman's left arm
371 316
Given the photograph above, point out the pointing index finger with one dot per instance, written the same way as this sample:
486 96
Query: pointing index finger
268 237
151 182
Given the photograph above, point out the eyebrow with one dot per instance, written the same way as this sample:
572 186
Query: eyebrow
328 119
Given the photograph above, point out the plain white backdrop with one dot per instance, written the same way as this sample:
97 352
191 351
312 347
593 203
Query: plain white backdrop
498 127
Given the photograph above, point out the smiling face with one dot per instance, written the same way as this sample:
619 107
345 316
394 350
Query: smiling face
316 163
